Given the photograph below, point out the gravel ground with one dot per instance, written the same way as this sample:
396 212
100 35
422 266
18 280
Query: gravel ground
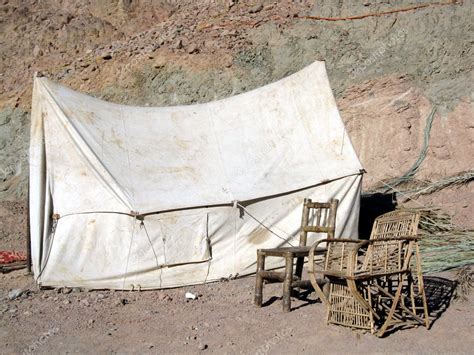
221 320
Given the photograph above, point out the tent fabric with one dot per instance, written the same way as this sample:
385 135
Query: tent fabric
145 197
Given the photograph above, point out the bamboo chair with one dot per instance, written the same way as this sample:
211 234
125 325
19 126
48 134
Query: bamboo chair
372 284
317 217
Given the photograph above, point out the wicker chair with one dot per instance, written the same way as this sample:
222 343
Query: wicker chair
317 217
371 283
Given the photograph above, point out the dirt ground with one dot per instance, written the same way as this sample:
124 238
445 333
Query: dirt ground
387 74
221 320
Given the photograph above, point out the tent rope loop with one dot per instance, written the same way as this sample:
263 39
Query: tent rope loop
242 208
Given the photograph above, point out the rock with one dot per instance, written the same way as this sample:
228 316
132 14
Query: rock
90 322
37 51
100 296
66 290
13 294
202 346
85 303
178 44
160 62
5 117
228 61
256 8
121 302
107 56
66 302
165 297
192 48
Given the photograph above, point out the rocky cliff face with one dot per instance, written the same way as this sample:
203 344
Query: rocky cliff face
387 70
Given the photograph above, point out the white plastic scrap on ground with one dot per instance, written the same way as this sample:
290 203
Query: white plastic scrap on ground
190 296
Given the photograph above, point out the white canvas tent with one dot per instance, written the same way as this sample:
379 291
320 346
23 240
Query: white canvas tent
124 197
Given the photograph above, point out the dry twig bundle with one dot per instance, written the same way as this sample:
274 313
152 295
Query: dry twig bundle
443 245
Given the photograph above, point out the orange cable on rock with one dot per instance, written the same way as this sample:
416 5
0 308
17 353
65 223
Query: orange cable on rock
405 9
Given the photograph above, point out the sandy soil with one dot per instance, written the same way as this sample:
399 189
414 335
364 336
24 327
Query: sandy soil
222 320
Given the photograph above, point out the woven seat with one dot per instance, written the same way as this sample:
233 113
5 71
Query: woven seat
372 284
317 217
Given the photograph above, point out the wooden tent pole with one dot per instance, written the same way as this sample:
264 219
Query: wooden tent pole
28 232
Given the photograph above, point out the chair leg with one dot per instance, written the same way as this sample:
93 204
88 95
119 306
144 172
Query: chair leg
421 286
259 280
299 267
287 284
396 300
299 273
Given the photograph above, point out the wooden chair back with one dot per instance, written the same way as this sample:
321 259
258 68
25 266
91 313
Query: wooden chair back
395 224
379 257
385 253
318 217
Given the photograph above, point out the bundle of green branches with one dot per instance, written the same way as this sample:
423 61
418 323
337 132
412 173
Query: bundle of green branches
443 245
429 187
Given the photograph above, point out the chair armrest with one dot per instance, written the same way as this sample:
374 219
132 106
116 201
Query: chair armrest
311 260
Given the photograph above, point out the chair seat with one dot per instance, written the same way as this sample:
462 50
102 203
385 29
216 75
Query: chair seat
289 251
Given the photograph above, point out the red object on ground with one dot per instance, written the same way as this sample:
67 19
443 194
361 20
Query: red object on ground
10 256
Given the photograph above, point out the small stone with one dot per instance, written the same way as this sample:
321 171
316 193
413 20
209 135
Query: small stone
202 346
160 62
66 290
85 303
37 51
66 302
107 56
228 61
121 302
27 313
100 296
76 289
164 297
178 44
256 8
192 48
90 322
13 294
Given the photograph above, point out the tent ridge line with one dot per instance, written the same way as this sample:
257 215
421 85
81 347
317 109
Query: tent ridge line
141 216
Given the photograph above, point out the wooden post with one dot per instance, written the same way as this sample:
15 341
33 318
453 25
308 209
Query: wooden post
332 217
303 236
287 283
259 279
28 232
304 222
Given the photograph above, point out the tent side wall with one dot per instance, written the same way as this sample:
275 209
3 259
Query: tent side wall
185 247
